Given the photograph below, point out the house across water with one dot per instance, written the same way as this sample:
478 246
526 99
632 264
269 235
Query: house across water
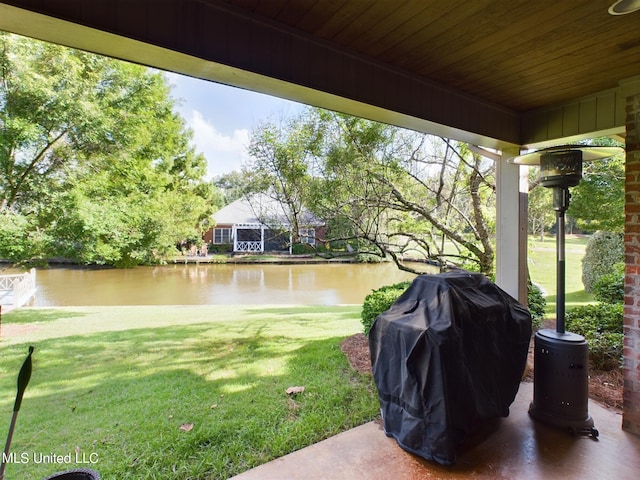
259 223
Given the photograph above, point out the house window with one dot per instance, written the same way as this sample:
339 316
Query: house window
308 235
221 235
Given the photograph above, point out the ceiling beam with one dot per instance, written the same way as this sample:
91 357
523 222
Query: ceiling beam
217 42
222 44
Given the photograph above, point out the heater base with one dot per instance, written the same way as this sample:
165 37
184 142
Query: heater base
561 382
582 427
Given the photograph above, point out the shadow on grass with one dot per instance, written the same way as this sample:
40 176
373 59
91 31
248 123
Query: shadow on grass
307 315
196 401
34 315
572 299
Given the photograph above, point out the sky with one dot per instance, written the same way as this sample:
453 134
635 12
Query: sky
222 118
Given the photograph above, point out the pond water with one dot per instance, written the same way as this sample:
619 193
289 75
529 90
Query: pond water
215 284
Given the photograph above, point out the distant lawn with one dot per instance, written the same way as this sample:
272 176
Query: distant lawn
542 268
178 392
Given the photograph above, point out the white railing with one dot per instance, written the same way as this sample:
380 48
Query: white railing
244 246
23 286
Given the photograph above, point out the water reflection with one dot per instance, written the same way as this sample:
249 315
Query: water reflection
325 284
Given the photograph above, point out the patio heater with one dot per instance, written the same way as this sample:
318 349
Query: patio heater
561 382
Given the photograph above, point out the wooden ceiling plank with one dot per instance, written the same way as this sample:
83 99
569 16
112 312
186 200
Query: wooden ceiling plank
579 83
372 41
425 20
318 15
504 52
536 94
451 44
346 17
512 34
559 55
518 54
431 28
293 12
569 60
370 38
368 18
566 56
548 42
336 16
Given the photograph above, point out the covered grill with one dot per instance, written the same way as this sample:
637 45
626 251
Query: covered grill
447 356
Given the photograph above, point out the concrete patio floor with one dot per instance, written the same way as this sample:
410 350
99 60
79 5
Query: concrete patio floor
519 448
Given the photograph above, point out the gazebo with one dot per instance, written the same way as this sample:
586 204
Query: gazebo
258 223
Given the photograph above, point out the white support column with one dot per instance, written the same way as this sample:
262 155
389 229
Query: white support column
511 227
234 232
262 239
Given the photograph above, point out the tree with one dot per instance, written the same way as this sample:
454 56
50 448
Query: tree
232 185
281 163
405 194
541 215
93 157
597 203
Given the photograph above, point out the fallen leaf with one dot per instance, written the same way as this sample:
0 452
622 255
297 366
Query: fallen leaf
215 405
294 390
187 427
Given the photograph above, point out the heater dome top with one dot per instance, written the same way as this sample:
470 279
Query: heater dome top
589 153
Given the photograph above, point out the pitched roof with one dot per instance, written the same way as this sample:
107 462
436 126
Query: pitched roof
259 209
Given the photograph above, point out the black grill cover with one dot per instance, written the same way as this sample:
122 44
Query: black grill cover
447 356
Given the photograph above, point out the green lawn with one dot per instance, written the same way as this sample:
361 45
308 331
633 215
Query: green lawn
178 392
195 392
542 268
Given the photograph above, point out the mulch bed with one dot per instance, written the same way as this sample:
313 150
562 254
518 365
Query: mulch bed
604 387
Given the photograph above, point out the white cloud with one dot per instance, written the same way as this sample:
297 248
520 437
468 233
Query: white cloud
224 153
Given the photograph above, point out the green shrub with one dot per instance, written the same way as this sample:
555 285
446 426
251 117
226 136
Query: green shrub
368 258
610 288
601 326
220 248
302 249
379 301
604 250
18 242
605 351
536 305
599 318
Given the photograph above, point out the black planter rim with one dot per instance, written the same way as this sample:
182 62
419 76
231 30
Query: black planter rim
75 474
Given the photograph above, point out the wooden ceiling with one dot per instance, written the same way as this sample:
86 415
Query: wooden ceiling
491 72
520 54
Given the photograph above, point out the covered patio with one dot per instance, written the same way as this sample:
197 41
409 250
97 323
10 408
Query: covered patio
505 77
515 447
